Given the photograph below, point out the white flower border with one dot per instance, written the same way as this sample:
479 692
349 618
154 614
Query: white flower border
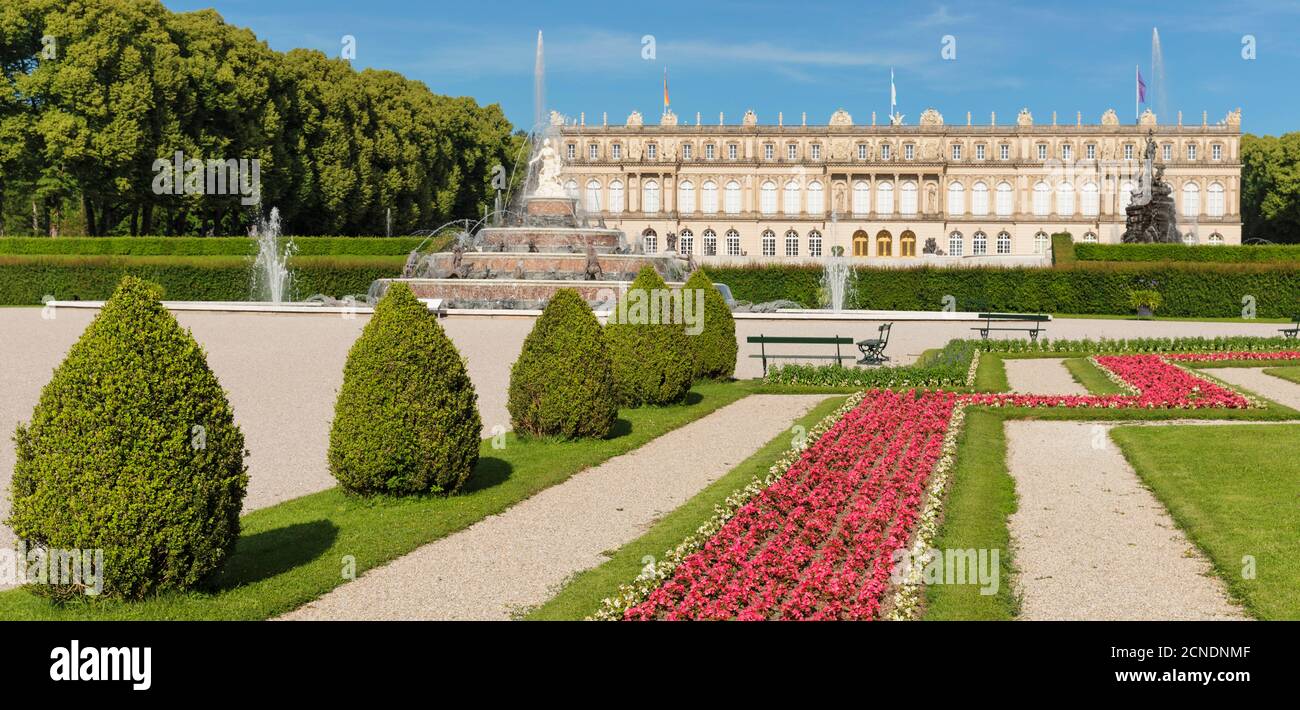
633 593
974 367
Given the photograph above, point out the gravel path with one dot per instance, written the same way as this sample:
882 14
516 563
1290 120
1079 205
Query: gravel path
518 559
1091 541
1253 380
1041 376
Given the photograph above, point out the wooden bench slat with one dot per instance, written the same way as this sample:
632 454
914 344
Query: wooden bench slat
798 340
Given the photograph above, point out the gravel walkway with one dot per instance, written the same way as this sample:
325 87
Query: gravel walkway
1253 380
509 562
1041 376
1091 541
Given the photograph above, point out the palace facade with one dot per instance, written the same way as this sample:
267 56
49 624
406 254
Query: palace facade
983 193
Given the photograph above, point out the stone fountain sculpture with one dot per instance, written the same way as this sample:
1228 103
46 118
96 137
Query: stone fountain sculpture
1150 216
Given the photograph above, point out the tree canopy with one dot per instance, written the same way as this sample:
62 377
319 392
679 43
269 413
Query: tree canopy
93 92
1270 187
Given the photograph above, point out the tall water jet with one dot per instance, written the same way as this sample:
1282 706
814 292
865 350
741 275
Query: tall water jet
1159 85
837 276
272 281
539 87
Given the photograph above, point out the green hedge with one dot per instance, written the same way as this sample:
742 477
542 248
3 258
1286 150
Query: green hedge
1062 249
25 280
207 246
1223 254
1189 290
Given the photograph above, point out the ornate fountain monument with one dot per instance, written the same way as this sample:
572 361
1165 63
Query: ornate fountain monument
524 257
1151 217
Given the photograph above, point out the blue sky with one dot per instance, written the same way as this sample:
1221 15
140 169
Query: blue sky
815 56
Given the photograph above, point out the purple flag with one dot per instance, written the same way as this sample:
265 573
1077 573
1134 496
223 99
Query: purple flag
1142 87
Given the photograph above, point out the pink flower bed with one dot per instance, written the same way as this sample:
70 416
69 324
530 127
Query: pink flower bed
1217 357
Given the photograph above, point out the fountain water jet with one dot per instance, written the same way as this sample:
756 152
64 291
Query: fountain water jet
271 281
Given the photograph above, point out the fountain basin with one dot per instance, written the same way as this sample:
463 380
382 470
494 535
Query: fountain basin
550 239
508 294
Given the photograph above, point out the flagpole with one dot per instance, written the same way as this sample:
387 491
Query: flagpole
1137 81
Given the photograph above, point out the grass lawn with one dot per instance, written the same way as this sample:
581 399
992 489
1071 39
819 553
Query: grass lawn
1092 379
1291 374
292 553
582 595
1234 491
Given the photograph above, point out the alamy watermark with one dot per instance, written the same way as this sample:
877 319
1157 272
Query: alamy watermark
950 566
233 176
42 565
658 306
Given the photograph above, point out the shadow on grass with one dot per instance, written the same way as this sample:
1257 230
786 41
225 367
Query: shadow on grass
266 554
489 472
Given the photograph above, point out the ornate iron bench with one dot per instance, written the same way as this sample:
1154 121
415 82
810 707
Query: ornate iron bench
873 349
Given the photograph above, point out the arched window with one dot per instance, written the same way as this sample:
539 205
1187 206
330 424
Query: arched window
956 198
1216 239
593 195
814 243
861 197
792 243
816 201
1041 241
767 197
1090 238
1065 199
650 197
979 243
791 205
709 198
616 196
686 197
650 241
685 242
1091 199
1191 199
571 189
1006 199
733 243
1004 243
1189 239
1125 194
955 245
979 199
710 243
884 198
769 243
1214 200
884 243
860 244
1042 198
907 243
907 201
731 197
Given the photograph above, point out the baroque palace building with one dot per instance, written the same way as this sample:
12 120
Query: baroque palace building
984 193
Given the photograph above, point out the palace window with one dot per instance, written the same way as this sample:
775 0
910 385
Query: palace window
816 201
956 199
1004 243
791 202
909 151
571 189
650 241
731 197
1005 199
814 243
1042 151
792 151
733 243
861 197
1090 151
686 197
979 151
710 243
1216 152
955 244
1090 238
1126 194
1189 239
907 244
651 151
650 197
769 151
1191 199
1128 151
710 151
685 242
593 195
884 198
1214 200
1041 241
1191 151
616 196
1004 152
792 243
1067 151
956 151
686 151
816 149
593 151
1042 199
1091 199
884 151
862 151
979 199
769 243
731 151
1167 152
571 151
1216 239
1065 199
860 242
884 244
907 203
767 198
616 151
979 244
709 198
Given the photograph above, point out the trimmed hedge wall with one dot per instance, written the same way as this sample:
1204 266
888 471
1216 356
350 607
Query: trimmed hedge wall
25 280
207 246
1225 254
1189 290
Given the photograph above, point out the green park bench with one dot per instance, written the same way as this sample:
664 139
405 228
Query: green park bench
1037 319
765 340
1294 330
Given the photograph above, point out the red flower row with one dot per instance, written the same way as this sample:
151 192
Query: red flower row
1216 357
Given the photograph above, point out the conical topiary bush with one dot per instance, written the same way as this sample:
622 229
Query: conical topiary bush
713 349
132 450
652 361
562 384
406 420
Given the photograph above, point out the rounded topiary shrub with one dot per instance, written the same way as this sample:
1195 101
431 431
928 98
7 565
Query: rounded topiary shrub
713 347
406 420
652 361
563 384
132 449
